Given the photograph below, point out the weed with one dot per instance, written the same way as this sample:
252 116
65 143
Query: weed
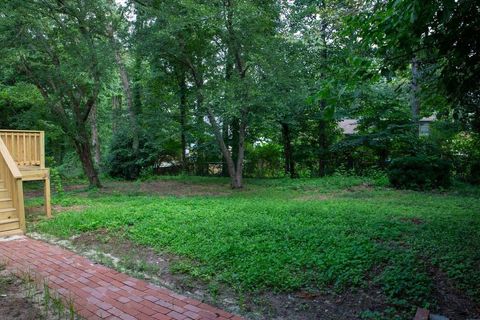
259 239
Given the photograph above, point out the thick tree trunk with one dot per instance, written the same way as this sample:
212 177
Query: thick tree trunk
415 102
183 119
235 138
83 148
95 136
288 151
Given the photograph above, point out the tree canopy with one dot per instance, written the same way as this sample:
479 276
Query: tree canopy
241 87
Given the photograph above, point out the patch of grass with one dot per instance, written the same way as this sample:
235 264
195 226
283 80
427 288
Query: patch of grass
264 238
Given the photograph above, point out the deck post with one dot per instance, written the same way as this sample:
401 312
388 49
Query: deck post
42 149
47 194
20 205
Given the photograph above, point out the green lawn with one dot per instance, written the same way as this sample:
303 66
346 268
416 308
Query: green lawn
318 235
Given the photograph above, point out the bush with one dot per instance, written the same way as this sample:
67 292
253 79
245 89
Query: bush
123 162
419 173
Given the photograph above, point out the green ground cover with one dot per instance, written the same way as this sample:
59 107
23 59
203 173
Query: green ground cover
314 235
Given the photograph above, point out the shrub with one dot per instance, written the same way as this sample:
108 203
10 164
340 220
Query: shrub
419 173
123 162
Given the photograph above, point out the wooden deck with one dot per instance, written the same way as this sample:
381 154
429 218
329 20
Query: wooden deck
22 158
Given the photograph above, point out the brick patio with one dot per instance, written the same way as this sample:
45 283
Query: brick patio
99 292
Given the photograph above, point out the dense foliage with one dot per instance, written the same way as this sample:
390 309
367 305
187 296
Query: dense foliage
419 173
122 162
241 87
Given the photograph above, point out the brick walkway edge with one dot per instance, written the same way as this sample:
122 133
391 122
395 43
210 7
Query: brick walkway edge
99 292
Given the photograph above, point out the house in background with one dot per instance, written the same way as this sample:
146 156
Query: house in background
350 126
424 125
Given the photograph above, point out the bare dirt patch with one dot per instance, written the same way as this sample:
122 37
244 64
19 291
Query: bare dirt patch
314 197
35 214
13 302
169 188
159 187
416 221
331 306
361 187
360 191
451 302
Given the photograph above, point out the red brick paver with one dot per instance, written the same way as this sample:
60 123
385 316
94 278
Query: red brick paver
99 292
422 314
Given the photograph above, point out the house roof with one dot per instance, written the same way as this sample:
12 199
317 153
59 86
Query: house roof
428 119
348 126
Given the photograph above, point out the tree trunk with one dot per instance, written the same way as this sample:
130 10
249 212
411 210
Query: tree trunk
225 124
238 183
128 95
137 89
202 166
322 147
383 157
95 137
239 126
288 151
235 138
183 119
116 113
322 124
235 172
415 102
225 139
83 148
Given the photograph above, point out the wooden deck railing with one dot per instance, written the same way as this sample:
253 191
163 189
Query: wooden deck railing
27 148
12 180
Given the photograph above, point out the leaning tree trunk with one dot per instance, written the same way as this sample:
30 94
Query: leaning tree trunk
83 148
234 171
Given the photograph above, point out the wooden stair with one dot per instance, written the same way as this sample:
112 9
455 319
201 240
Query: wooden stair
9 221
22 158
